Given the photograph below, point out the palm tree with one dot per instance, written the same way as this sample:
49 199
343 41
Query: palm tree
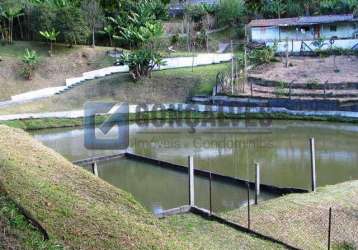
51 36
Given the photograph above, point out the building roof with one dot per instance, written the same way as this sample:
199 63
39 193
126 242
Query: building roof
306 20
176 4
274 22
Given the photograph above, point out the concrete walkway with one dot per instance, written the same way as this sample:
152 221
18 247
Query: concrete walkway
170 63
183 106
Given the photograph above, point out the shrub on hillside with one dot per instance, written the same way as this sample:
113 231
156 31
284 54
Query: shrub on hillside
142 62
30 60
262 55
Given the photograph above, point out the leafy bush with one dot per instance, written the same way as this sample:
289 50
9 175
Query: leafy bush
174 39
262 55
30 60
200 40
142 62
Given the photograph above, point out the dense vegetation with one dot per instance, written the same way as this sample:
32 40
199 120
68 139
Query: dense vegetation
79 21
138 25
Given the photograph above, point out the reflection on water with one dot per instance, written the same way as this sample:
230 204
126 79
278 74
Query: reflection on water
231 148
159 189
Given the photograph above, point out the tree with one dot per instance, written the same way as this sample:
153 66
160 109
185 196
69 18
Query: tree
11 10
230 11
72 25
142 62
138 27
108 29
338 6
93 15
64 16
51 36
274 8
294 8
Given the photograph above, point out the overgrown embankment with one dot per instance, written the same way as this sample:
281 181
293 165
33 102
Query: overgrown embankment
76 209
17 232
302 219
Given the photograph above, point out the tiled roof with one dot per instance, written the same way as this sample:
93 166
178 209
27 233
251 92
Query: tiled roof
274 22
301 20
326 19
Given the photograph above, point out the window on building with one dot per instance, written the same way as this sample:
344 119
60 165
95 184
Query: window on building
333 28
304 29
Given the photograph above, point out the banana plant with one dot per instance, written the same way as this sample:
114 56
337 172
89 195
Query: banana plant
9 14
30 59
51 36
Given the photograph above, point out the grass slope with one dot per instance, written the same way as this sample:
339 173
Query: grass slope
165 86
204 234
46 123
17 232
80 211
51 71
77 209
302 219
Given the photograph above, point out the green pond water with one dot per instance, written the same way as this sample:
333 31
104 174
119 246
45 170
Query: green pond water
229 147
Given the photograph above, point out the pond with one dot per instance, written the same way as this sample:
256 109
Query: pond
229 147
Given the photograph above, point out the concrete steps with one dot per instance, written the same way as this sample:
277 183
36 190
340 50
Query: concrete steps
170 63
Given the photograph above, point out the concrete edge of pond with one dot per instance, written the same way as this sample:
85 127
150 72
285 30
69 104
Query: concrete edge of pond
34 121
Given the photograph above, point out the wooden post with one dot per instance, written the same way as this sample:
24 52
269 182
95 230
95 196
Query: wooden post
257 182
192 63
210 195
245 69
292 48
248 206
251 89
324 89
313 165
287 52
191 181
290 90
329 227
232 67
94 168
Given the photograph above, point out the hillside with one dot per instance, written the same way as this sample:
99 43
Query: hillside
80 211
51 71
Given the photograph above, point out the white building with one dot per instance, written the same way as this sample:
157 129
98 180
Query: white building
304 28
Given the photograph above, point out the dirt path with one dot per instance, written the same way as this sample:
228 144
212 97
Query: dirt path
311 70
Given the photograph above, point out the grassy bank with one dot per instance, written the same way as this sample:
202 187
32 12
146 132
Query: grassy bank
80 211
17 232
302 219
166 86
77 209
46 123
51 71
206 234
